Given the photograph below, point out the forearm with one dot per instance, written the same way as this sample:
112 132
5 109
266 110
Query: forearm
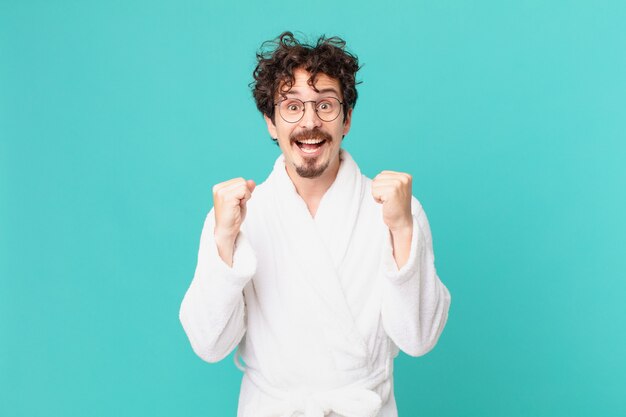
225 247
214 324
415 311
213 309
415 301
401 245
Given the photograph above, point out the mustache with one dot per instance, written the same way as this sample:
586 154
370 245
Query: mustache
310 134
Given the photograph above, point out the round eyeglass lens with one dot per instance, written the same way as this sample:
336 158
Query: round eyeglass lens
292 109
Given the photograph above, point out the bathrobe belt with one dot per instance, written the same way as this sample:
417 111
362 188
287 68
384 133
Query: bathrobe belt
354 400
348 402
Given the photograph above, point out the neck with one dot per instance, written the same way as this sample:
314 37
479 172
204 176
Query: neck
313 189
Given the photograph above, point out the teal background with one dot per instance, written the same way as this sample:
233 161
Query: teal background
116 118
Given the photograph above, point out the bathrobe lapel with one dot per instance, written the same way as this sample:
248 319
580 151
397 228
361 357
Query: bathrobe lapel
339 209
319 247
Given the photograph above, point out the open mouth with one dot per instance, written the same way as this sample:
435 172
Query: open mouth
310 146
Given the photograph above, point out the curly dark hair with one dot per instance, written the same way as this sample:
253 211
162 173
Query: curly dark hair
279 58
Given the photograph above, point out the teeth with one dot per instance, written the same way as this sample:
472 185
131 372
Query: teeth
311 141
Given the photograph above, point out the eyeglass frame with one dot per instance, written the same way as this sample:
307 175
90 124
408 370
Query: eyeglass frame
341 103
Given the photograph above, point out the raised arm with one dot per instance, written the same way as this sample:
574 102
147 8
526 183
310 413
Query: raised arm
415 301
213 309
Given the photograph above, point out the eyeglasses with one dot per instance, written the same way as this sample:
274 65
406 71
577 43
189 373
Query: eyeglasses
292 110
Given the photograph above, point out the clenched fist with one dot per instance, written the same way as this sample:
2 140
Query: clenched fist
393 191
229 200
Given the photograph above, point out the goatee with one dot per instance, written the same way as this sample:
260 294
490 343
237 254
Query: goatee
309 168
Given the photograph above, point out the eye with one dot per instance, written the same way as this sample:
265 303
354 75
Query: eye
325 106
292 106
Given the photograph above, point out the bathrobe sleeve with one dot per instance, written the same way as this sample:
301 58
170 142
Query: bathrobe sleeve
415 302
213 310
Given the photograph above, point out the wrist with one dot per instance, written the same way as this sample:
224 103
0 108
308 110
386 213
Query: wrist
402 229
224 237
225 246
401 237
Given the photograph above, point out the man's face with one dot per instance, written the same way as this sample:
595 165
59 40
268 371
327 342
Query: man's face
302 156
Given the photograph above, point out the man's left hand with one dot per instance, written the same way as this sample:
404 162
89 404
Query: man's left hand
394 191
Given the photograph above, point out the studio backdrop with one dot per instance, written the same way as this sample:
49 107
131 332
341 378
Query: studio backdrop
117 118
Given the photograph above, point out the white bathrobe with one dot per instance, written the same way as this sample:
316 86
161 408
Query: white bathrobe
316 306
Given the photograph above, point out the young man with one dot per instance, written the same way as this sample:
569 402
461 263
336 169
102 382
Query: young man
319 275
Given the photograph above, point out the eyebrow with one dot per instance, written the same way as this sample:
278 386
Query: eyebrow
322 91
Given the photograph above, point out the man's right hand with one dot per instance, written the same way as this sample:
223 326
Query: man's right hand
229 200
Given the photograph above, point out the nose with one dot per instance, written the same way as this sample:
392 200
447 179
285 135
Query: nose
309 119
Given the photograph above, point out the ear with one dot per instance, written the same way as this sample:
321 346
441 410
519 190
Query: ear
348 122
271 128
